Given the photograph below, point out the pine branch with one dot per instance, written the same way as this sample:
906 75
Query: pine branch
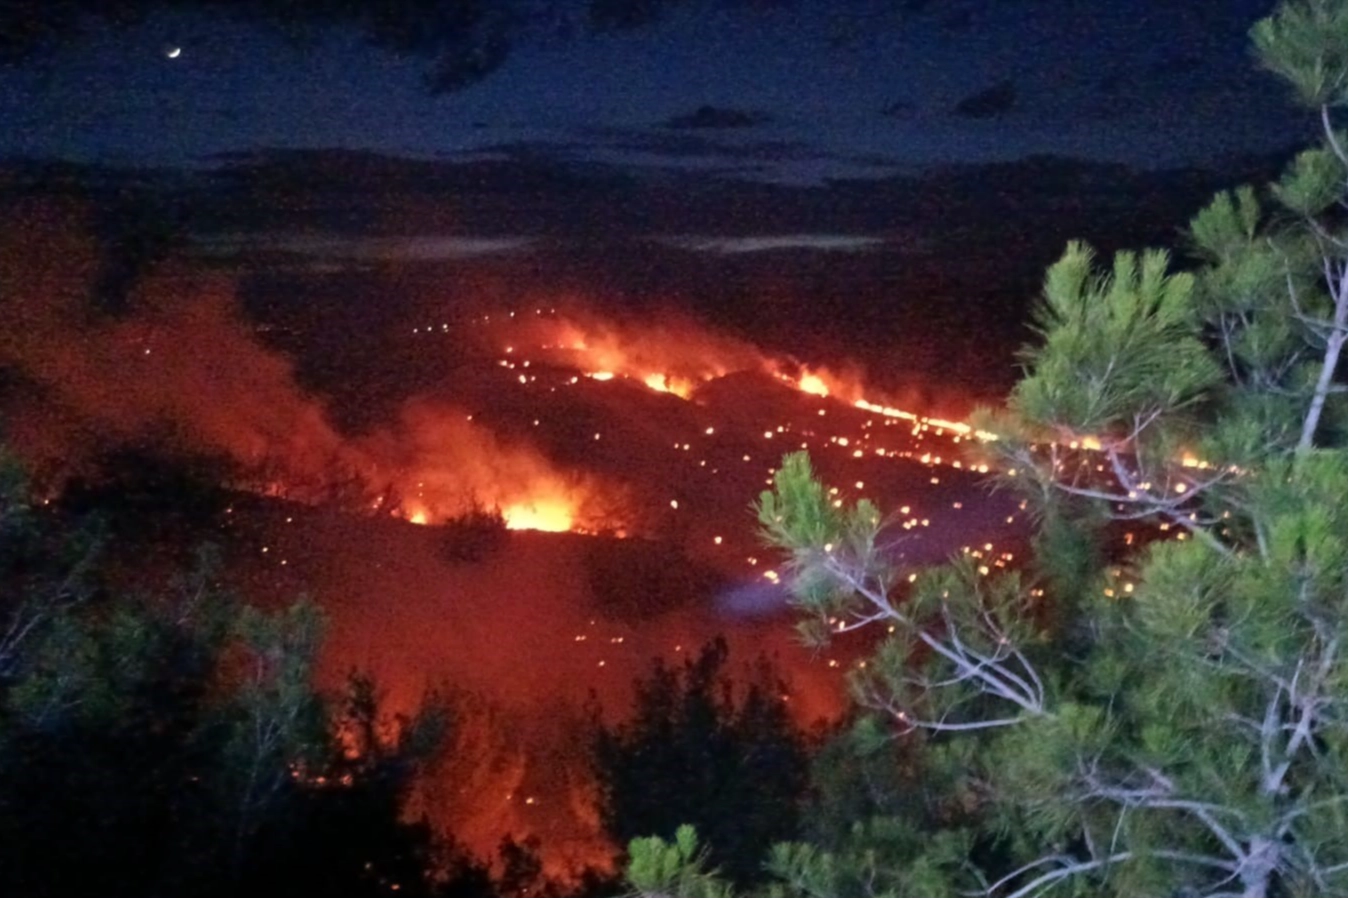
1338 288
990 673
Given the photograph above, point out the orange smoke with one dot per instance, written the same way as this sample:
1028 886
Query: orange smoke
441 465
183 372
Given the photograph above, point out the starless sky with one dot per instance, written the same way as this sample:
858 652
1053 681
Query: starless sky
843 88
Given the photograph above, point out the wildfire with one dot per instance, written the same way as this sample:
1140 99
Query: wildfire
680 387
542 515
554 514
544 508
955 427
678 358
674 357
812 383
551 513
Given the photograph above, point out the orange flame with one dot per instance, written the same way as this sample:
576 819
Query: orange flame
540 515
677 359
812 383
680 387
670 358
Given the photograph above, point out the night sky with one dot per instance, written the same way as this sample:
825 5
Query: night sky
814 89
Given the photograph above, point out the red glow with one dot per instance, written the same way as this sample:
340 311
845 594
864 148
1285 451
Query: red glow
525 626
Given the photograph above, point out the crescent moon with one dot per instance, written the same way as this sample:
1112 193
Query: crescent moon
174 52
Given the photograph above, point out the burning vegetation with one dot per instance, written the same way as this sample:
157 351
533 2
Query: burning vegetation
182 370
628 448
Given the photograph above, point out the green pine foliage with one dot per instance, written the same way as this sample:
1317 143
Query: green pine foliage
1113 345
1165 714
677 867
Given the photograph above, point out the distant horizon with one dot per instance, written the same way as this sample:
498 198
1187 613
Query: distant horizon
521 156
767 95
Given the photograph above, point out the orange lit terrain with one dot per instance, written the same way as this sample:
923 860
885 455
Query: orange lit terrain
622 455
655 485
619 400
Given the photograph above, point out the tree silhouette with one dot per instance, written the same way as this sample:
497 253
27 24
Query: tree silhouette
695 752
172 741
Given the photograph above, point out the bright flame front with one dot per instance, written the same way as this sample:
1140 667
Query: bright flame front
540 515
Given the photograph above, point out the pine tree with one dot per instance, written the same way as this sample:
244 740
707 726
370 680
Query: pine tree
699 751
1159 703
